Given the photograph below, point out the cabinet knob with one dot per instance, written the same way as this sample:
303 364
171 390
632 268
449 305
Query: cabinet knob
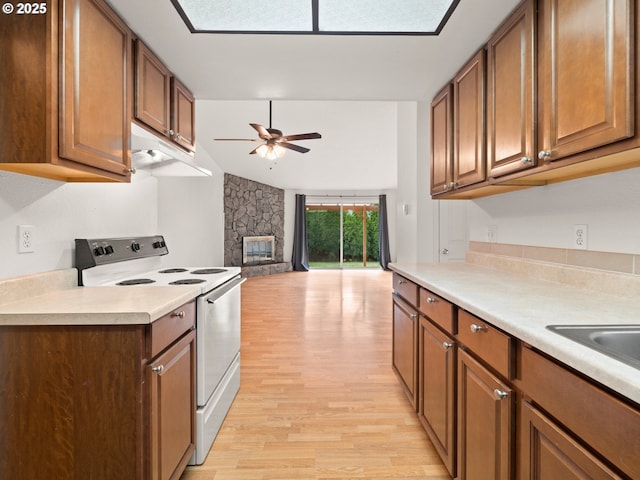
402 282
499 394
171 133
179 314
131 170
477 328
413 316
158 369
544 155
431 300
525 160
444 251
446 345
178 136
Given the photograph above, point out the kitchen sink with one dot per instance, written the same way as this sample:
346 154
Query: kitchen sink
621 342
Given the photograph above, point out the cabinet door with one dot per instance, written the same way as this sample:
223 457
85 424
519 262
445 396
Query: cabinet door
405 345
172 404
586 74
436 397
485 422
469 152
183 115
95 106
152 100
510 98
442 140
548 452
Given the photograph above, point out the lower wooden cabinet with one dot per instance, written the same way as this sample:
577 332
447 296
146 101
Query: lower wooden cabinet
497 409
547 452
437 390
171 409
98 402
405 347
486 408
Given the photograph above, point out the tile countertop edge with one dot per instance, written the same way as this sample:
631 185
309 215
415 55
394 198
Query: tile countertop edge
523 306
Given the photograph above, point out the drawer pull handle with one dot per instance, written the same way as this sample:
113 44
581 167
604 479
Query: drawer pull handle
158 369
179 314
446 345
431 300
402 282
499 394
477 328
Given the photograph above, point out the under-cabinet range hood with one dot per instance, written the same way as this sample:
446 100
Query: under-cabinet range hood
160 158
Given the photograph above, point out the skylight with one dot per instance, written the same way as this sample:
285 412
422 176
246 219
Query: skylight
328 17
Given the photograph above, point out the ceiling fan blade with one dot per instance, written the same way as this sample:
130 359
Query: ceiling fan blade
255 150
262 132
291 146
301 136
237 140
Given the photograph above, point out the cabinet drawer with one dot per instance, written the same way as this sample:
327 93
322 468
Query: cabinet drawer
406 289
494 347
602 421
172 326
439 311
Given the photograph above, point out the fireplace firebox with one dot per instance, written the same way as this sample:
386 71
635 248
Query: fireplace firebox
258 250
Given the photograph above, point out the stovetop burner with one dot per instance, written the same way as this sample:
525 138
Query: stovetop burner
187 281
136 281
208 271
173 270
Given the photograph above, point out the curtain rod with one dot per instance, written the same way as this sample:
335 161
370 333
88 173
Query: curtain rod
373 195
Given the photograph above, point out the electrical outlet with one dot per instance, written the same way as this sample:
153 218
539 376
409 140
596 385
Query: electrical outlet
492 233
580 236
25 238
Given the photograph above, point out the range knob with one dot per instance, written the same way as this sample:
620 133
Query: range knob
135 247
108 249
98 251
159 244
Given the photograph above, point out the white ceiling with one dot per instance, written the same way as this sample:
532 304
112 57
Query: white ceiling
302 70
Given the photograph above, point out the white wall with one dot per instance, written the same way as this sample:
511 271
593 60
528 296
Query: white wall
544 216
61 212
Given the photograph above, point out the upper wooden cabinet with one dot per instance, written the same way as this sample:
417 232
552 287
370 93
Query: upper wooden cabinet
562 97
152 102
585 83
510 94
469 152
183 115
65 111
441 140
458 153
162 102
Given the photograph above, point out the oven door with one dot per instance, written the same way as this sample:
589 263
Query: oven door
217 336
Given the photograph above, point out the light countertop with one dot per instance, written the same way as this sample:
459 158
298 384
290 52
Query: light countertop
523 306
53 299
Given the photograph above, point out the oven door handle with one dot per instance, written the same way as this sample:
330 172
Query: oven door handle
224 289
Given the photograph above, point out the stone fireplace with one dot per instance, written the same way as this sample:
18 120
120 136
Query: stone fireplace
253 209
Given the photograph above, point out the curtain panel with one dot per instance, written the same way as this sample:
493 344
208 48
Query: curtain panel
383 233
300 258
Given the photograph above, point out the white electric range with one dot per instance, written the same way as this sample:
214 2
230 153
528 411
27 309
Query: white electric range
133 261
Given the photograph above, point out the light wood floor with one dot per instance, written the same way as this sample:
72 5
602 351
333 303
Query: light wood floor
318 398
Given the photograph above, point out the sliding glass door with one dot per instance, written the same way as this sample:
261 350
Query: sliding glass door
341 235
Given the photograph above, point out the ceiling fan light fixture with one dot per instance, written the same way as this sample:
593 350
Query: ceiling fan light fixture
270 152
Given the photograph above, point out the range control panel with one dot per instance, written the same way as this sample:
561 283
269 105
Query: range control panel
102 251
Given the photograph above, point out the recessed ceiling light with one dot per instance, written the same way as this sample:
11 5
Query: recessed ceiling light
330 17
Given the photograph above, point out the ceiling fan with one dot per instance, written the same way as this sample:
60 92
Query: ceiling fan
275 142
